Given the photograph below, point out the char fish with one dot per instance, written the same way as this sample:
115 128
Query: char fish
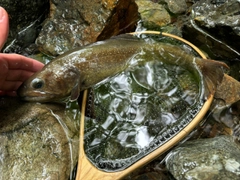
81 68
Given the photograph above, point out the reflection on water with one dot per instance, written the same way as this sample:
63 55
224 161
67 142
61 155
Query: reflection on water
134 112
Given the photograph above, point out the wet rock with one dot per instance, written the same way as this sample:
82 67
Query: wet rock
215 26
79 22
149 176
177 6
25 18
154 170
153 14
38 141
214 158
24 41
228 91
229 116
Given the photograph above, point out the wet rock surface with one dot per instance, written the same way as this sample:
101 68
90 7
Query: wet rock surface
215 25
78 22
217 158
37 141
25 19
228 91
153 14
176 7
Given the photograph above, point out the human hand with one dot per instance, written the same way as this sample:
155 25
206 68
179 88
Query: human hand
14 68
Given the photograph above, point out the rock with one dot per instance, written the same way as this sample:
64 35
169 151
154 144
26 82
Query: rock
38 141
228 91
216 28
214 158
152 171
79 22
152 14
177 6
148 176
24 41
25 18
228 116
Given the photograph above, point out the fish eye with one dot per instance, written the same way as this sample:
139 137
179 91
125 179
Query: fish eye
37 83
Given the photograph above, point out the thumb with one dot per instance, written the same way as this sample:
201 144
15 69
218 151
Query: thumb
4 23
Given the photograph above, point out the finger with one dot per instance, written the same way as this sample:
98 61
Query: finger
16 61
3 72
10 85
18 75
3 26
8 93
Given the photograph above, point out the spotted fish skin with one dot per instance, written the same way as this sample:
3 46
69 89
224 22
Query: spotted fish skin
79 69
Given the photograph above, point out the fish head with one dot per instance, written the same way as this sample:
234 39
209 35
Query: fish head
51 84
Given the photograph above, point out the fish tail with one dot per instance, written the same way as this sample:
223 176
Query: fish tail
213 72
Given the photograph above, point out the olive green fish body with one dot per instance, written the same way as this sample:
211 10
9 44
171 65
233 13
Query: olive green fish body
81 68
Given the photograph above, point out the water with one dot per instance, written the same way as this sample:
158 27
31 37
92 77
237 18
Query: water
136 111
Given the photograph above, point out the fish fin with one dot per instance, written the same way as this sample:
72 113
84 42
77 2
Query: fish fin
75 92
213 72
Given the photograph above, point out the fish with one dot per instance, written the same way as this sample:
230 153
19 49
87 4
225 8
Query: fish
79 69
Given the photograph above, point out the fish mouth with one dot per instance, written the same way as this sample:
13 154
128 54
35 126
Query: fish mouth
21 90
42 99
38 96
34 98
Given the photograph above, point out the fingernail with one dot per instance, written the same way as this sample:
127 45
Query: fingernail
2 14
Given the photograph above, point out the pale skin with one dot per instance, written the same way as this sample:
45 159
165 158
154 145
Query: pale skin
14 68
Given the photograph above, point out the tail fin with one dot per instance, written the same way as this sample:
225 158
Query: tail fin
213 72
